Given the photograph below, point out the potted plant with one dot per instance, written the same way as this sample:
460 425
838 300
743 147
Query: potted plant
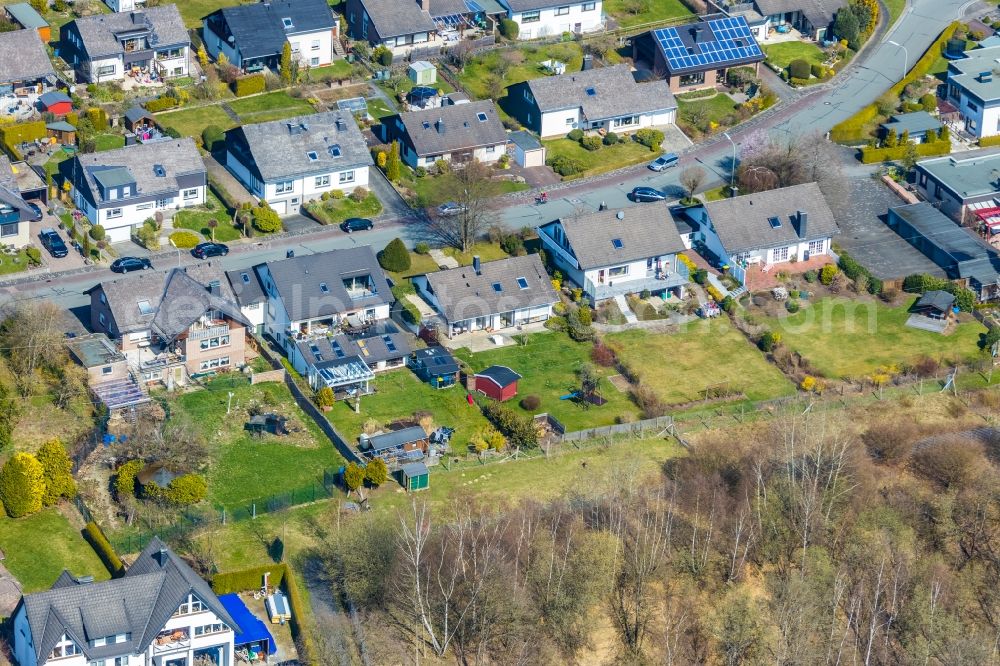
325 398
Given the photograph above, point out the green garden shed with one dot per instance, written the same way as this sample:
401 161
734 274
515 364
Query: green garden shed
415 476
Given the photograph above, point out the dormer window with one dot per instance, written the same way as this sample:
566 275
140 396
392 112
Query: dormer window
64 648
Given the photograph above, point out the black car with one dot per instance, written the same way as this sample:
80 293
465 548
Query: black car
357 224
36 209
206 250
53 242
129 264
647 194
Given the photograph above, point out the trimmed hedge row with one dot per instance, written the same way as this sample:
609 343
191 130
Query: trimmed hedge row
852 130
988 141
871 155
11 135
161 104
251 84
95 537
852 269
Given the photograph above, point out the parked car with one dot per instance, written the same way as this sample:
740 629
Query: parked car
36 209
450 208
664 162
129 264
356 224
206 250
647 194
53 242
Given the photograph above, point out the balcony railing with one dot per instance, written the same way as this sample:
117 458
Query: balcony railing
171 642
651 282
208 332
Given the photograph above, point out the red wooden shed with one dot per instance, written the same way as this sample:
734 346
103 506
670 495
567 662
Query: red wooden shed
55 102
497 381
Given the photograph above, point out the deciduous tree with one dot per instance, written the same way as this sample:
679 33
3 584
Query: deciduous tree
58 472
471 187
22 485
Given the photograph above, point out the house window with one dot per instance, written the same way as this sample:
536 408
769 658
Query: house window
490 150
313 62
618 271
284 187
214 628
145 307
287 22
589 6
923 177
210 364
190 194
145 206
531 17
64 648
212 343
113 213
193 604
345 177
562 11
106 370
780 254
626 121
101 318
522 283
570 120
972 106
106 70
817 246
322 181
314 45
8 229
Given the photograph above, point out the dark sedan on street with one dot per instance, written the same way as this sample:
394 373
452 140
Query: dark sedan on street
356 224
129 264
645 194
206 250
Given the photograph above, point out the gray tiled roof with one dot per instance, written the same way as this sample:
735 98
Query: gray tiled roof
937 299
461 294
393 18
644 231
280 149
298 280
184 300
248 290
528 5
456 127
164 22
915 122
178 157
137 113
965 72
742 222
139 603
23 57
968 175
615 93
500 375
397 438
370 347
819 13
258 29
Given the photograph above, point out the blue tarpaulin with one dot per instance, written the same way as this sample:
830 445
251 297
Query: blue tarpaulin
252 630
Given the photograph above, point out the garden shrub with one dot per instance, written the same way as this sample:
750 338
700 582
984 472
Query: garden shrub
34 255
184 240
382 55
769 341
648 402
265 219
251 84
686 260
376 472
988 141
22 485
422 248
575 135
853 270
124 483
161 104
325 397
186 490
827 273
810 276
817 70
358 195
97 232
651 138
799 69
211 135
95 537
509 28
871 155
714 293
965 299
700 276
58 472
566 166
792 306
245 580
530 403
603 355
519 431
611 139
420 172
394 257
410 312
591 143
929 102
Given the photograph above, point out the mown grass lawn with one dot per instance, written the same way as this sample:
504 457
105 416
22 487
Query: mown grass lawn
654 10
703 354
524 65
847 338
190 122
783 53
338 69
715 108
14 263
434 190
40 546
606 158
335 211
245 468
378 109
193 11
108 142
548 364
271 106
486 251
196 219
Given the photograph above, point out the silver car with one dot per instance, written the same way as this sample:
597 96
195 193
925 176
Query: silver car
664 162
450 208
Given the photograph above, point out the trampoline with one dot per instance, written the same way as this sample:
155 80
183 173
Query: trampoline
253 635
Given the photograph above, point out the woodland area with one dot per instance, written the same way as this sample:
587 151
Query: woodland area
817 539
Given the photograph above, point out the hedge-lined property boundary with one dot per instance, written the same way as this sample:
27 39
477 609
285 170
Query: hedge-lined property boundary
870 155
95 537
988 141
852 130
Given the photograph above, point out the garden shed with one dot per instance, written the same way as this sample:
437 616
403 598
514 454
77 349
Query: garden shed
434 365
528 151
26 16
138 120
62 131
497 381
422 73
414 476
397 444
55 102
935 304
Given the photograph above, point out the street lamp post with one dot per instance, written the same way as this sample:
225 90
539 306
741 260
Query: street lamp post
906 56
732 170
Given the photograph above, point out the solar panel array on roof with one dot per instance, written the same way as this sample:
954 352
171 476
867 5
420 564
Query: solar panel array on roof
730 41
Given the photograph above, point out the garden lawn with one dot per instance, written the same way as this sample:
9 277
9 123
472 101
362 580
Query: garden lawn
431 190
335 211
478 70
378 109
40 546
715 109
196 219
190 122
846 338
653 10
606 158
783 53
548 365
484 250
895 8
679 366
271 106
14 263
338 69
244 468
398 394
193 11
108 142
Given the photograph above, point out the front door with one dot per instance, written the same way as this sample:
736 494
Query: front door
480 323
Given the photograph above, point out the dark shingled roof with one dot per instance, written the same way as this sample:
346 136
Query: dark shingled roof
500 375
298 281
393 18
98 32
185 300
137 113
742 222
177 157
412 470
396 438
139 603
23 57
371 347
435 360
246 285
937 299
258 29
455 127
462 294
819 13
604 92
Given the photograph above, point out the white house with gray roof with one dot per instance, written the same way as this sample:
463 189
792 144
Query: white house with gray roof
963 184
606 98
456 133
159 613
152 43
120 189
974 89
546 18
288 162
612 253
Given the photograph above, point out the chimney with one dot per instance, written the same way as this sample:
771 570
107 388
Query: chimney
162 555
439 125
620 215
476 266
83 580
588 62
425 5
803 223
214 288
340 124
696 33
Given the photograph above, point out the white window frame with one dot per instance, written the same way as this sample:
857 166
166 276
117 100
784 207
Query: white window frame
562 11
5 229
345 177
191 194
589 6
779 254
284 187
618 271
314 46
106 70
531 17
322 181
817 246
113 214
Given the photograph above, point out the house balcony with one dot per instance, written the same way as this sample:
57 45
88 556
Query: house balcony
171 641
653 281
202 332
156 358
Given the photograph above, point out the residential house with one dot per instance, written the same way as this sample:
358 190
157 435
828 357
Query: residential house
288 162
125 5
492 296
253 36
26 16
150 45
698 55
971 88
172 325
158 613
497 382
813 18
964 186
249 292
917 125
456 133
606 98
779 226
24 62
15 214
612 253
435 366
548 18
962 254
22 178
337 302
402 25
108 374
121 188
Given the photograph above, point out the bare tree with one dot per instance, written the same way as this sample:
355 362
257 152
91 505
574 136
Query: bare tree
471 187
691 179
32 335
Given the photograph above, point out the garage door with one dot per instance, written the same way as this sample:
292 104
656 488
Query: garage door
280 207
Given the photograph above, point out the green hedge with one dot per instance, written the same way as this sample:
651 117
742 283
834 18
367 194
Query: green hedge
251 84
988 141
919 283
161 104
12 135
95 537
852 269
224 196
871 155
853 129
410 312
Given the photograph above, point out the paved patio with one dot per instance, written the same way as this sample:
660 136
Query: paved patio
478 341
758 280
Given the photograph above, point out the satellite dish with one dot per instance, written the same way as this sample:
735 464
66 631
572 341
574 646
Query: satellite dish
620 215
